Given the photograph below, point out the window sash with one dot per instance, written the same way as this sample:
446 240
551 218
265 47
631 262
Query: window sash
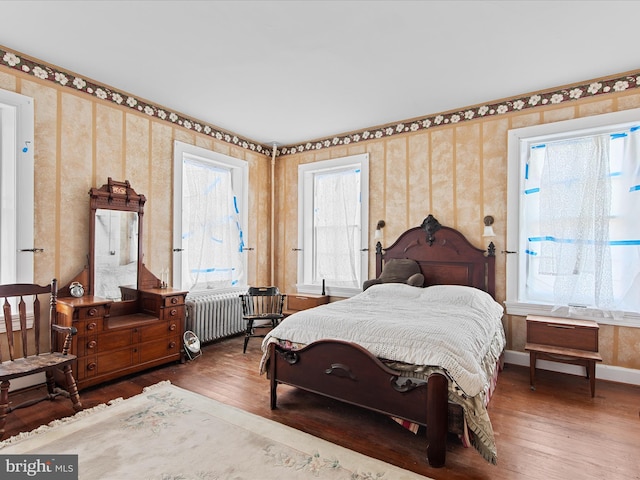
333 231
210 211
522 189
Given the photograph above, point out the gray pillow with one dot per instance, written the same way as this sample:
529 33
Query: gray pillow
398 270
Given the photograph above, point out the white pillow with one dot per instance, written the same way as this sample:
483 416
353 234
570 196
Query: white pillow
462 295
394 290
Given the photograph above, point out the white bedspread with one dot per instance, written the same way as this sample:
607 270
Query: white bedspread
449 329
447 326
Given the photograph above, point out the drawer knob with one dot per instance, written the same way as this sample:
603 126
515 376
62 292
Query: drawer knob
174 300
173 312
172 345
172 327
91 326
91 344
91 366
92 312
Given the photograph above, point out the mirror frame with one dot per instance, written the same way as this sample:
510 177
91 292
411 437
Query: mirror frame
119 196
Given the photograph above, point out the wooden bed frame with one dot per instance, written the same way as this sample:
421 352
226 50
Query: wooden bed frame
347 372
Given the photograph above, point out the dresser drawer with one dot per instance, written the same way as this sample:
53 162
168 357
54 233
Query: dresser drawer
107 342
91 312
172 313
563 332
173 300
159 329
302 302
96 365
87 345
161 348
89 326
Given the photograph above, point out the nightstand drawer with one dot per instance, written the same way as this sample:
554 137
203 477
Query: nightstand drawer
298 302
563 332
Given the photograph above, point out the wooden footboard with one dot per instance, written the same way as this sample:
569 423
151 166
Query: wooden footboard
349 373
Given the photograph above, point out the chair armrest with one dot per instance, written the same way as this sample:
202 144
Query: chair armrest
70 331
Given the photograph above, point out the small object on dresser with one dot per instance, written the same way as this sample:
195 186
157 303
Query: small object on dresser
76 289
164 278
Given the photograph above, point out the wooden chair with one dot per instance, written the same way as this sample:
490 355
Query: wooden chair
261 308
28 356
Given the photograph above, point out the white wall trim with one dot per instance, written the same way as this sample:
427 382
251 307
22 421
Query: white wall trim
603 371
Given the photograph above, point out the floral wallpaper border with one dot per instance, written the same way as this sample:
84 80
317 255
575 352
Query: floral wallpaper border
65 79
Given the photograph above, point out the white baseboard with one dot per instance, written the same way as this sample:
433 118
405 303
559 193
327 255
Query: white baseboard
25 382
603 372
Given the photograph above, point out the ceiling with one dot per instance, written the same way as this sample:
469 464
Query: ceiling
287 72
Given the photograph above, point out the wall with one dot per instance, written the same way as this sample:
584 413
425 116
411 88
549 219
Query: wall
454 168
81 140
458 173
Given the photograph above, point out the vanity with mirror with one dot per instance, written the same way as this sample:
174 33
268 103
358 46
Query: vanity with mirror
127 319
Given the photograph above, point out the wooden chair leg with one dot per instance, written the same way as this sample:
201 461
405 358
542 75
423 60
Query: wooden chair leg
51 384
4 405
72 388
247 335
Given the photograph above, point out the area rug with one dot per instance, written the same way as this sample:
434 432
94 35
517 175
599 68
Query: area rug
168 433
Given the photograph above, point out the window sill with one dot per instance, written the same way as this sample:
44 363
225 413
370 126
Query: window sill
331 291
16 324
626 319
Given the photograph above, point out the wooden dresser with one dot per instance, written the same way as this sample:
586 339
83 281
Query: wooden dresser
563 340
110 344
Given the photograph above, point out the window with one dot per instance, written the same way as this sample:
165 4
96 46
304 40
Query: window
333 225
574 194
16 188
210 202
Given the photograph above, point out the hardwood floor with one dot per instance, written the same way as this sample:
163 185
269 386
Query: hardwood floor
556 432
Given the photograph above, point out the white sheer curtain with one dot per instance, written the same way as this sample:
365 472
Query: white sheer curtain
575 208
212 238
626 226
337 227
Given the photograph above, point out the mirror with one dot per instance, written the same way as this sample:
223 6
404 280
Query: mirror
115 253
116 239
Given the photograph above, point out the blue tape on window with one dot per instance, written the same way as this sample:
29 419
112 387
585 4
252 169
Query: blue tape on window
526 171
529 191
210 270
542 145
613 243
635 188
531 252
549 238
633 129
618 135
623 243
235 204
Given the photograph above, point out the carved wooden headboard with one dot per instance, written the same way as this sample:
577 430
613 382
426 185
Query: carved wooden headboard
444 255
